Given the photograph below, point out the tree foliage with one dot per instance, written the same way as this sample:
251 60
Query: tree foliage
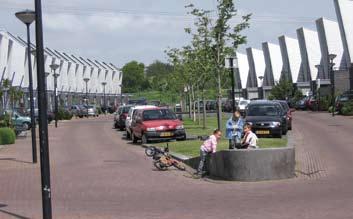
134 78
282 90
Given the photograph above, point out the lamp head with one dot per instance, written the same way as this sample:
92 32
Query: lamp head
331 57
54 66
104 83
86 79
261 77
26 16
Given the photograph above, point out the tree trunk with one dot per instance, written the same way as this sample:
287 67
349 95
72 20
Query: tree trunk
204 110
219 109
193 104
190 104
198 107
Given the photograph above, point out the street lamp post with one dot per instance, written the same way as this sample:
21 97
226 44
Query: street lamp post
86 81
27 17
318 85
104 83
231 66
121 94
43 121
331 58
55 75
261 88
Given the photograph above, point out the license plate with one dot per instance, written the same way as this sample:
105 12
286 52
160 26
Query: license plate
263 132
166 134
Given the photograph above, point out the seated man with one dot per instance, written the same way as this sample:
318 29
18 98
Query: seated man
250 139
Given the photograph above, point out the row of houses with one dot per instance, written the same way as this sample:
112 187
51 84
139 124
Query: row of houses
304 60
77 75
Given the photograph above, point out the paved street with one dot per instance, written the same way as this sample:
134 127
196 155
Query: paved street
97 174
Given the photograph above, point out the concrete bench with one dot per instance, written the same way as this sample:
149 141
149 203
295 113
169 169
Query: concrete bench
250 165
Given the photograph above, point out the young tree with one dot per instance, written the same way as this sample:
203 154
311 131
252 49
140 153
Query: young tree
227 40
133 77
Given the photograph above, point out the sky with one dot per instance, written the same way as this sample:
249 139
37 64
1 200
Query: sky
119 31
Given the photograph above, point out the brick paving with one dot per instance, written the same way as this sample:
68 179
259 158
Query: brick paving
97 174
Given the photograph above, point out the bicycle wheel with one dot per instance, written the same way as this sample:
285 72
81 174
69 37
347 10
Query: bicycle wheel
179 165
150 151
160 166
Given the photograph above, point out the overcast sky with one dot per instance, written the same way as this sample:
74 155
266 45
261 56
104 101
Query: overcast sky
119 31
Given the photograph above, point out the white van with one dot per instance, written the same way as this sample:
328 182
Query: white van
130 115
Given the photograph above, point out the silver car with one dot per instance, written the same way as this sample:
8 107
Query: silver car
91 110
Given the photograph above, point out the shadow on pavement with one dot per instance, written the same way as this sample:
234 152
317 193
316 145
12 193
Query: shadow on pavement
15 160
10 213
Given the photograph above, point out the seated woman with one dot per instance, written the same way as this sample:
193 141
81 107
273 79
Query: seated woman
250 139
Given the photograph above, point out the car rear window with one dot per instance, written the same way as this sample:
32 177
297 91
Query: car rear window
264 110
158 114
126 109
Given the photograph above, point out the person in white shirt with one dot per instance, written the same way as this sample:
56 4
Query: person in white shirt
250 139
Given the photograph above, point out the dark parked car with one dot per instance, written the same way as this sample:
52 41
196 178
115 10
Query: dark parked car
342 99
120 117
266 118
301 104
287 112
211 105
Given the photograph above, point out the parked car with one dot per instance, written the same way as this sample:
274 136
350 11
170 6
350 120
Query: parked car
50 115
211 105
177 108
120 117
130 116
78 111
137 102
19 119
312 103
342 99
287 112
156 124
266 118
301 104
91 110
242 106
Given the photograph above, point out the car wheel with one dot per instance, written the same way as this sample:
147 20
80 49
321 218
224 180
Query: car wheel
284 132
133 137
128 135
144 139
26 126
116 125
121 128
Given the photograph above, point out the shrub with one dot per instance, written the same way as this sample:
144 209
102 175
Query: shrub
64 114
5 120
325 103
99 110
347 109
7 136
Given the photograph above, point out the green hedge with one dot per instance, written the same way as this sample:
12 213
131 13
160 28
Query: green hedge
64 114
7 136
347 109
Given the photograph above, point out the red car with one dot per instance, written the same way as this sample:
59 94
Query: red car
120 117
156 124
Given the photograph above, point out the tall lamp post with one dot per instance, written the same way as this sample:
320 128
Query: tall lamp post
55 75
318 85
27 17
331 57
261 88
43 121
121 94
231 66
86 80
104 83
